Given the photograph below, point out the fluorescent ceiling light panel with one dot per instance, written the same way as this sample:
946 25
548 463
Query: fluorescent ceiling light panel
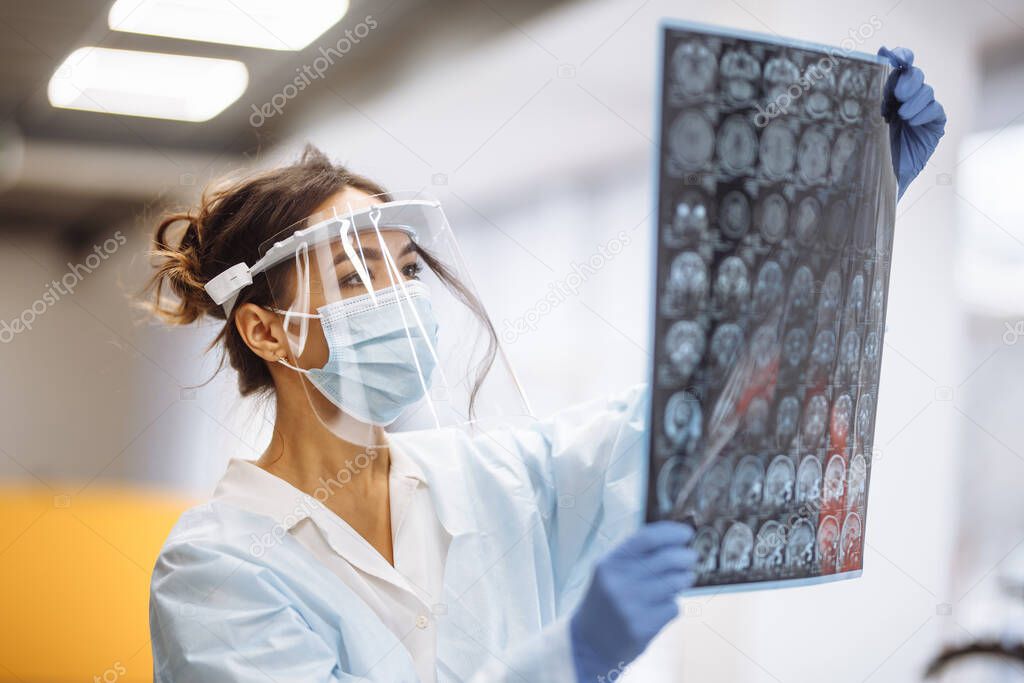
268 24
148 84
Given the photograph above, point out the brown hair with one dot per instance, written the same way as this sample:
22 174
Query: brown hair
233 218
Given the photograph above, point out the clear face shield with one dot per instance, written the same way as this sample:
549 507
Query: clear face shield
384 324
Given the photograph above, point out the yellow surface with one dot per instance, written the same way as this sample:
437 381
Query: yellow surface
74 582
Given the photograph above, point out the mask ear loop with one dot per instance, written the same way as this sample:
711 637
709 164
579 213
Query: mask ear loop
283 360
302 272
395 278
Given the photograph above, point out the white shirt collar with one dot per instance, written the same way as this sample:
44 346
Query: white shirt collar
248 486
404 466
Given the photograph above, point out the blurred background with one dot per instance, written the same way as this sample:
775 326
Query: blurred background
533 122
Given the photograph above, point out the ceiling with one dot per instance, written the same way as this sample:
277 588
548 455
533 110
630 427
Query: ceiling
78 172
36 36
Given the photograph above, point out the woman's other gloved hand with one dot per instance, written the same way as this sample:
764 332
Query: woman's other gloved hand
630 599
916 121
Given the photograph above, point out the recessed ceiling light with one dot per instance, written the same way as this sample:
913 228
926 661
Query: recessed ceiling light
269 24
149 84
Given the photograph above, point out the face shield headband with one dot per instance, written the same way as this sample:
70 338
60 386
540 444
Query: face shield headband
226 286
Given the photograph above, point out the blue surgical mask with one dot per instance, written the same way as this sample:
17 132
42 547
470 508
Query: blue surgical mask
380 352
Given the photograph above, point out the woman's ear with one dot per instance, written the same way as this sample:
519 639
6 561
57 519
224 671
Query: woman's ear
262 331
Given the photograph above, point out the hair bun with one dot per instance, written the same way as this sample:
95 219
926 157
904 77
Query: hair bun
179 268
233 217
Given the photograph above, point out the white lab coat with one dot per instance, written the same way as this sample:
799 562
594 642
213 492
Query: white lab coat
529 511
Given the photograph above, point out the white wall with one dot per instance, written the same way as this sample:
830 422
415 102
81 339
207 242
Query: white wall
989 562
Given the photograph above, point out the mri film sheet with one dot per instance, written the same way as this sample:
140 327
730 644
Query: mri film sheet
776 201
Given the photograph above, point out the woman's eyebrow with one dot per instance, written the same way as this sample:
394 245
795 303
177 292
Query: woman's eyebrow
368 253
372 253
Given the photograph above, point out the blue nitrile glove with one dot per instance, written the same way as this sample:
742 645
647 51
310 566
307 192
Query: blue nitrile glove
630 599
916 121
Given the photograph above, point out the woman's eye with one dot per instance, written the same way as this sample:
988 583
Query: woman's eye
353 280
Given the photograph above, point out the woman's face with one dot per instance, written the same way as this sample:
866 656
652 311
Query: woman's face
332 275
339 277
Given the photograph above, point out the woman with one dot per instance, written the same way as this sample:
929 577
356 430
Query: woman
351 552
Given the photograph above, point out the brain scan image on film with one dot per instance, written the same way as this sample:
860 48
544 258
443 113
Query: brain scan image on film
769 546
850 541
856 489
670 481
747 484
876 305
778 149
779 482
692 140
779 76
837 224
818 101
812 155
843 151
872 353
706 545
824 350
732 284
683 421
755 422
808 481
737 144
828 544
834 481
687 285
694 67
764 346
842 416
773 218
800 546
714 489
815 421
801 290
690 223
807 221
734 215
768 287
774 223
725 345
737 546
852 84
865 414
795 346
685 343
849 356
740 74
855 299
831 294
787 420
